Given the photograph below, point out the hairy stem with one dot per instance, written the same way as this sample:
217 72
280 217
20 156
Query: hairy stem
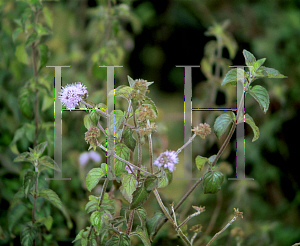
130 222
34 199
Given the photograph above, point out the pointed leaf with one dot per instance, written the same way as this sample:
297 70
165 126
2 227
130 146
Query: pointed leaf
48 162
151 182
96 219
234 75
139 196
130 81
153 222
128 139
123 91
43 55
28 234
128 186
249 58
39 149
21 54
142 215
261 95
200 162
26 102
47 221
251 123
93 177
22 157
271 72
142 235
258 64
28 181
122 151
212 181
221 124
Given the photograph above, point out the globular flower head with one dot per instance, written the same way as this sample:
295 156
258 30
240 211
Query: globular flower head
202 130
127 169
72 94
167 159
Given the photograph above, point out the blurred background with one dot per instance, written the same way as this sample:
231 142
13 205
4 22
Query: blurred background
149 38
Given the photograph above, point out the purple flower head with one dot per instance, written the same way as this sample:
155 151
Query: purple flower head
127 169
95 156
167 159
72 94
84 158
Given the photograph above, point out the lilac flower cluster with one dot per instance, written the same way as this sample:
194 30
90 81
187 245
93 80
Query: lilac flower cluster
167 159
72 94
127 169
86 156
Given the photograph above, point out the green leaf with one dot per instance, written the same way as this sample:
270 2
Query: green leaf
96 219
152 105
212 158
128 139
31 38
91 206
221 124
78 236
261 95
122 151
26 102
212 181
142 235
251 123
48 16
15 213
30 131
115 121
234 75
47 221
249 58
271 72
258 64
48 162
130 81
117 221
28 234
93 177
123 91
22 157
94 116
123 240
200 162
39 149
17 136
16 33
142 213
151 182
87 122
128 186
163 180
139 196
28 181
43 55
153 222
21 54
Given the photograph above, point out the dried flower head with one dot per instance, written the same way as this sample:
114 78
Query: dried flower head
167 159
202 130
145 113
139 89
72 94
196 228
148 129
238 213
91 136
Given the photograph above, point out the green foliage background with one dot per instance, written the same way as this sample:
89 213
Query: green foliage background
149 39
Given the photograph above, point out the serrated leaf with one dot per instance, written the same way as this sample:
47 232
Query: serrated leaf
117 221
123 91
258 64
200 162
139 196
122 151
43 49
163 180
212 181
152 105
123 240
249 58
142 235
96 219
78 236
153 222
28 181
22 157
128 186
261 95
93 177
142 213
221 124
48 162
28 234
251 123
21 54
234 75
151 182
91 206
94 117
39 149
128 139
271 72
26 103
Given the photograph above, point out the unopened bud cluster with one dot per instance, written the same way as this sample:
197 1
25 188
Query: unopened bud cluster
145 113
91 136
202 130
148 129
139 89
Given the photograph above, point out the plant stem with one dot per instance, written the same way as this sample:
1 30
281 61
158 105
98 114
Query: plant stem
150 149
130 222
218 233
99 204
34 199
186 144
139 147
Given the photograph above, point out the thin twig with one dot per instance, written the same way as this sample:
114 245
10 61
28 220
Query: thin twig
186 144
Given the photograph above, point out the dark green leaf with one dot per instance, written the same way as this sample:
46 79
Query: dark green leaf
48 162
118 221
221 124
79 236
258 64
261 95
93 177
142 235
43 55
234 75
26 102
91 206
151 182
128 186
123 240
28 181
47 221
28 234
139 196
16 33
271 72
142 215
32 37
96 219
15 213
23 156
128 139
122 151
153 222
39 149
212 181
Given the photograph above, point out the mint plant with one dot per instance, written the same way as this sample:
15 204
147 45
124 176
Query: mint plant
135 179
